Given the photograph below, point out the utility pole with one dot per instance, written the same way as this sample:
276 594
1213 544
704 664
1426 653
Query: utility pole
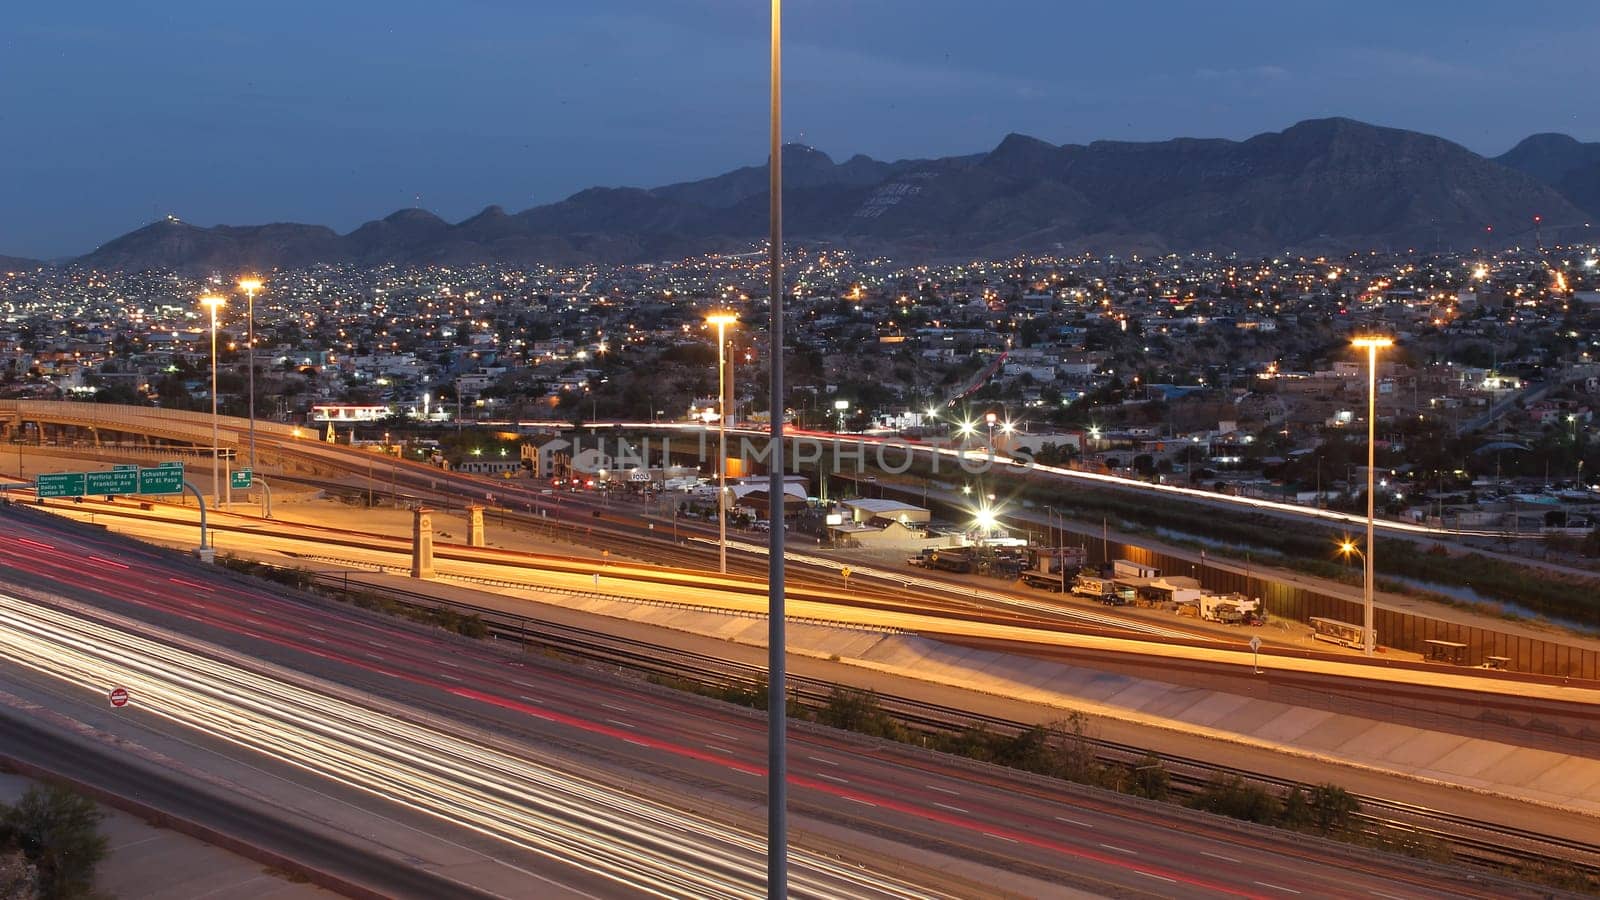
777 696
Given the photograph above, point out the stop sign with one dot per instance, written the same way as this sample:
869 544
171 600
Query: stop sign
118 697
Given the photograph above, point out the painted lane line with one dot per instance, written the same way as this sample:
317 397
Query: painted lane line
859 800
826 762
949 807
719 749
1377 893
935 787
1218 856
833 778
615 708
619 723
1157 877
1278 887
528 699
1073 822
1121 849
999 837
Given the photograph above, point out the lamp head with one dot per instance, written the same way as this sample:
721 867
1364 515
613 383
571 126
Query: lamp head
249 285
722 319
213 302
1372 343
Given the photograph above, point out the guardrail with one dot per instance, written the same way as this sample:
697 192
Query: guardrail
600 595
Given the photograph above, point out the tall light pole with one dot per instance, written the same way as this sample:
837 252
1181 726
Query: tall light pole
777 695
214 303
722 321
1369 641
250 286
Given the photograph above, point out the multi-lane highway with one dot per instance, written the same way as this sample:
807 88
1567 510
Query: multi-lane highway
642 788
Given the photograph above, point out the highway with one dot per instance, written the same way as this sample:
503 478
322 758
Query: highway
653 790
550 578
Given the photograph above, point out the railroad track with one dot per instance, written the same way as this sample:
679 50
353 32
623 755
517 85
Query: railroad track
1483 844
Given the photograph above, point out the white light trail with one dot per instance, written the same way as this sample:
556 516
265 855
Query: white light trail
643 845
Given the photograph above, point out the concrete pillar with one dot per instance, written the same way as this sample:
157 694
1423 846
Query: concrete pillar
475 526
422 543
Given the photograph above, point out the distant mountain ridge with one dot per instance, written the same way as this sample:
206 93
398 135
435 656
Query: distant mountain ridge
1564 163
1324 185
17 263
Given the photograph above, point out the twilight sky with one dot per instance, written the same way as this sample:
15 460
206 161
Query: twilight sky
113 114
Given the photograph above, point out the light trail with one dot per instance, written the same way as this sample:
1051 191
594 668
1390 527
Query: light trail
637 843
992 461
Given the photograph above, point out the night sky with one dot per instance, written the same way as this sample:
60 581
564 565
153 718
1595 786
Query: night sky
340 111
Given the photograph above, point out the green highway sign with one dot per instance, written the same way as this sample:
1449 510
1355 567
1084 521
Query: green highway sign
239 479
118 481
59 484
164 479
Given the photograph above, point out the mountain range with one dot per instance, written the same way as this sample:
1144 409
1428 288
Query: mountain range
1324 185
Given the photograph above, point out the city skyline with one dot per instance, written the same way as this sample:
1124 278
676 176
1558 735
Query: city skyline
319 116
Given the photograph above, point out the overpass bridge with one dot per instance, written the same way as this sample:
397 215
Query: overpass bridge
69 422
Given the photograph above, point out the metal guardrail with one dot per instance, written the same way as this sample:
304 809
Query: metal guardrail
594 595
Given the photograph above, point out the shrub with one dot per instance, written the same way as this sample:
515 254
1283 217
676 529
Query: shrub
859 711
1229 795
59 833
1150 779
1333 808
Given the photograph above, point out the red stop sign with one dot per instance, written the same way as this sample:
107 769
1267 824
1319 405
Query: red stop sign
118 697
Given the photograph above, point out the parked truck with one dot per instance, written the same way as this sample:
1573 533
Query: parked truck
1053 569
954 559
1230 609
1127 568
1106 590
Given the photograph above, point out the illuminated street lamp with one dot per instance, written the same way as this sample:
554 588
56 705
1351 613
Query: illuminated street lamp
840 407
984 518
722 321
213 303
1371 345
250 286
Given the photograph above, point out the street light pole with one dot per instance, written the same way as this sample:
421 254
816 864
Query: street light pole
213 303
1371 345
722 321
777 695
250 286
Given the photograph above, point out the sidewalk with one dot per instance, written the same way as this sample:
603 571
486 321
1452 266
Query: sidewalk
150 862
